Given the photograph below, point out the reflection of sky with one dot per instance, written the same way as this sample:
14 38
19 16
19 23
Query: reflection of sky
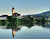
24 6
35 32
6 34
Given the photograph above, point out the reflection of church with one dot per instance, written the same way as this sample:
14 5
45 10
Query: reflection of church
16 27
13 31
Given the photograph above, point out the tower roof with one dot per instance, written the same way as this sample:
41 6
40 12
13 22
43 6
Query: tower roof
13 7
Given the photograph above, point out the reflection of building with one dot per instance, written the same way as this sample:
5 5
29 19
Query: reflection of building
13 32
3 27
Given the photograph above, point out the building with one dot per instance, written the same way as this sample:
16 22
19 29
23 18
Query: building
47 18
16 15
13 31
3 17
13 10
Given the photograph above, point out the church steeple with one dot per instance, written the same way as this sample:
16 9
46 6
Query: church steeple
13 10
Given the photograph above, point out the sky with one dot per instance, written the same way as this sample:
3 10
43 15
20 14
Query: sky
24 7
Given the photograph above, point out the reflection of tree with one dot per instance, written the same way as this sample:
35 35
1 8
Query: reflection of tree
28 24
12 25
41 23
29 21
3 22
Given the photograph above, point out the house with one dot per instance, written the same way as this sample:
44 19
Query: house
49 18
3 17
15 14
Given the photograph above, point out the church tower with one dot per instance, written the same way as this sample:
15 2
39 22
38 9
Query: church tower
13 10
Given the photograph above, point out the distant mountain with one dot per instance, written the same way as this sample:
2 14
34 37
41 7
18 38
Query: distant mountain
46 14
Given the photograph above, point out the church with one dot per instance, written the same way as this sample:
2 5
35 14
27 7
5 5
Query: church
14 14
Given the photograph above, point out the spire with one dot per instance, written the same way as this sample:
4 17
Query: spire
13 8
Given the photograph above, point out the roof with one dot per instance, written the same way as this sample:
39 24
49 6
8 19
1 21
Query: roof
4 15
15 13
13 7
18 14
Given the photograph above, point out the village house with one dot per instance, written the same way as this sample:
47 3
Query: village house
3 17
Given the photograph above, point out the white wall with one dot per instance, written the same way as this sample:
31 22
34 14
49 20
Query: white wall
4 18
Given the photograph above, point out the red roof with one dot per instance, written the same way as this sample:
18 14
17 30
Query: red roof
15 13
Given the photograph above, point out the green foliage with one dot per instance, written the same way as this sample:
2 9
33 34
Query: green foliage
11 19
43 18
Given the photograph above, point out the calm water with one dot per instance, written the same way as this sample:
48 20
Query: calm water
25 31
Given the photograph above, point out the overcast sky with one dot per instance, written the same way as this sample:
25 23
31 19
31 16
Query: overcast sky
24 6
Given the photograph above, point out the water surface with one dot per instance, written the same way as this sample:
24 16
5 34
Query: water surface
25 31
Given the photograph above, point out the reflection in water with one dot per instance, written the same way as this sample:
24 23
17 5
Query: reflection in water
40 23
13 32
14 27
17 26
